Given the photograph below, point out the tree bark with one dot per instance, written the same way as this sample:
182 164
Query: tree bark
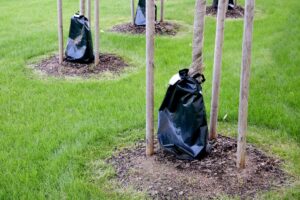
222 8
162 10
82 7
150 31
89 10
199 21
132 12
60 32
97 60
244 85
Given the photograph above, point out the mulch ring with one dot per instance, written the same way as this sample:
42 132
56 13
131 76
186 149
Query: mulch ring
162 28
237 12
108 62
162 176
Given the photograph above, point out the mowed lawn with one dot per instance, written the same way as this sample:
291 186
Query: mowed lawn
56 133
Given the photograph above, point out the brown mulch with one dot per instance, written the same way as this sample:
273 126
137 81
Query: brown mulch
237 12
162 176
162 28
108 62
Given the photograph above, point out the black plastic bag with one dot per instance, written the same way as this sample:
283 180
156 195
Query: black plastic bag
80 45
182 124
140 17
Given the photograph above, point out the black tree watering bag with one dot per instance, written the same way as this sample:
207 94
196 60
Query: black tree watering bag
182 124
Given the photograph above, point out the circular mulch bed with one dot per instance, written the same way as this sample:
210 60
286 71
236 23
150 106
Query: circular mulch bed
162 176
162 28
108 62
237 12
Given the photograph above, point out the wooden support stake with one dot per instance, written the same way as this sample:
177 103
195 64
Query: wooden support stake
150 32
162 10
82 7
244 85
89 10
97 59
132 12
199 21
60 32
222 8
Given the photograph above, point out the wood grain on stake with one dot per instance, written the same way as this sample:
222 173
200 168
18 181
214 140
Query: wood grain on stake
244 85
162 10
222 8
60 31
132 11
97 60
199 21
150 31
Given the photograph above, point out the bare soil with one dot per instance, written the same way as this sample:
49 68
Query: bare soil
162 176
162 28
108 62
237 12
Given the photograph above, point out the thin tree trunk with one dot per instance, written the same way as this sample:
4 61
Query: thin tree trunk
89 10
150 31
222 8
60 32
235 3
82 7
244 85
162 10
132 11
199 21
97 60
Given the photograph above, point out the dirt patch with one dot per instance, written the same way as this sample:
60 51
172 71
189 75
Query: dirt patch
237 12
164 177
108 62
162 28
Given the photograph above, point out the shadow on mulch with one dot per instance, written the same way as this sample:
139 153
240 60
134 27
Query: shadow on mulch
108 63
237 12
162 176
162 28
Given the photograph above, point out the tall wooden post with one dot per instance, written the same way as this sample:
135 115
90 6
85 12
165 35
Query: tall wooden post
222 8
89 10
60 32
132 12
150 32
82 7
96 51
244 85
199 21
162 10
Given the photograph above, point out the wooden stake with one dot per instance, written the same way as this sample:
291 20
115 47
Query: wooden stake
89 10
162 10
199 21
150 32
60 32
132 12
222 8
97 60
82 7
244 85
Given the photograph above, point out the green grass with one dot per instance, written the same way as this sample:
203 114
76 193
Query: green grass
55 133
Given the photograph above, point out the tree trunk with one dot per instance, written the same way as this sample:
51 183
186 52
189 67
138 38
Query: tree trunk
162 10
132 12
82 7
217 68
199 21
150 31
89 11
244 85
60 32
97 60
